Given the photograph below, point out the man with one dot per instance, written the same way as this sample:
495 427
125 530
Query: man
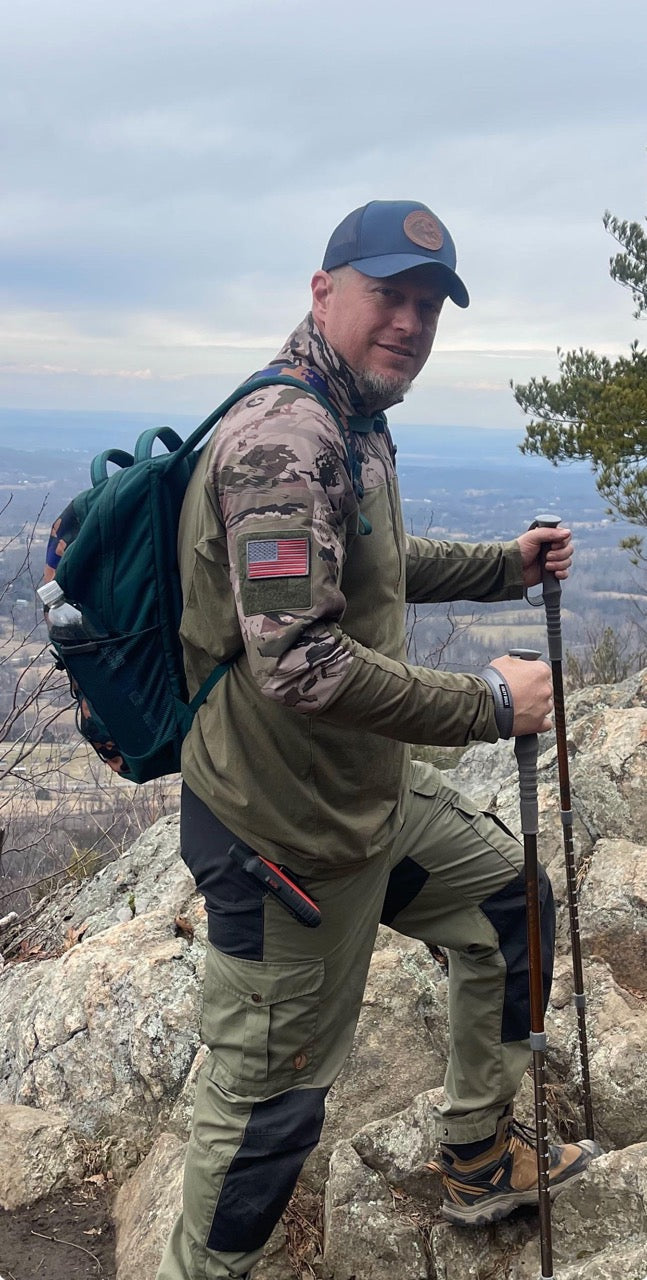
292 545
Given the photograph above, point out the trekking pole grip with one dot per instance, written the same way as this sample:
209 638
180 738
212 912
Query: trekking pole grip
526 749
551 594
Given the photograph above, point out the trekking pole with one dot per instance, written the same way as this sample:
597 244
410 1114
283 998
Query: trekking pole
550 597
526 750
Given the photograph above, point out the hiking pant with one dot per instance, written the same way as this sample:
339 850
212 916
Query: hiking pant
281 1003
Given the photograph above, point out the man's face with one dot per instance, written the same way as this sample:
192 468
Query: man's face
385 328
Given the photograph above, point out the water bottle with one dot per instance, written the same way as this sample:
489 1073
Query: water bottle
65 623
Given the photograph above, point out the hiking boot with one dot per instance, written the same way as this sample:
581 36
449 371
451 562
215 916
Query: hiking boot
492 1184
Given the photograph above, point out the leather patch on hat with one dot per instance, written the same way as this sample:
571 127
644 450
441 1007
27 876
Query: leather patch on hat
421 227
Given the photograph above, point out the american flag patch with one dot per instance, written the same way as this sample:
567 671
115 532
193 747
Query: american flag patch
278 558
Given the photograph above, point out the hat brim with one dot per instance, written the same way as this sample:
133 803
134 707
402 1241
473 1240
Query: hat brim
389 264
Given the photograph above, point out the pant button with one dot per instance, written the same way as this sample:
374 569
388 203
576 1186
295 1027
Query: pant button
256 997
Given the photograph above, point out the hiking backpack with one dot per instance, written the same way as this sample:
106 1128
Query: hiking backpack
113 552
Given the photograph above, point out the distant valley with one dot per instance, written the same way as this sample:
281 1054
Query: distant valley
456 482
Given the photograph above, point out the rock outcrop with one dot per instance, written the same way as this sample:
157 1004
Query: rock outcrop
38 1154
101 1052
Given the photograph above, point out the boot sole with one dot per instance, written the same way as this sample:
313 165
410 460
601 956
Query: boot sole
500 1206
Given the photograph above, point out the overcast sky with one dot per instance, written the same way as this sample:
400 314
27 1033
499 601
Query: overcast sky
171 173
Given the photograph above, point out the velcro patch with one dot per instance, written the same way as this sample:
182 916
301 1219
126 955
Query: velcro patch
274 570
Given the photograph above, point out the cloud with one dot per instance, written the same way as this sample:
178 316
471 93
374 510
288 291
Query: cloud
172 173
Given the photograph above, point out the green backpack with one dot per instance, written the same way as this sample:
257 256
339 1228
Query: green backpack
113 551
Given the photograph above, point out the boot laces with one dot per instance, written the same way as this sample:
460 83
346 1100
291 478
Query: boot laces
521 1136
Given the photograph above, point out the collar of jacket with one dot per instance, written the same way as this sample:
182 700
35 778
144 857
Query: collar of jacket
306 345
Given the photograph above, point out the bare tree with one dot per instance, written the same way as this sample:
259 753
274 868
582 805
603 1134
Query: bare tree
447 627
604 655
442 621
33 695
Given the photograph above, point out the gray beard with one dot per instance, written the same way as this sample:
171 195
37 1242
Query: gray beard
379 391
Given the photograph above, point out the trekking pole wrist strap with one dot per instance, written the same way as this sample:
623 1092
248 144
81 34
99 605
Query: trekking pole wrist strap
503 703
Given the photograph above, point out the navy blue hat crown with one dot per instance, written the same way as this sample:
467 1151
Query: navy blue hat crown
388 236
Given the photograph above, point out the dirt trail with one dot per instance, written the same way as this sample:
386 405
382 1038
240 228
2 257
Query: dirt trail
68 1236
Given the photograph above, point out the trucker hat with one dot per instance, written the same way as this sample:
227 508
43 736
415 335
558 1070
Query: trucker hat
387 236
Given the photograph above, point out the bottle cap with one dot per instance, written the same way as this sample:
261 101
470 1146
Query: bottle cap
51 593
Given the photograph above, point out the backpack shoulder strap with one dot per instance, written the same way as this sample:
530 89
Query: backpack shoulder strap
269 377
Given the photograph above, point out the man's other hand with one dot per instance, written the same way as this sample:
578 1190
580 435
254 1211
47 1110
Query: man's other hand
531 686
559 553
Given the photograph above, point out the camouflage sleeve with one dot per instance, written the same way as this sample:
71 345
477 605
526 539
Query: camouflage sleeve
443 571
281 479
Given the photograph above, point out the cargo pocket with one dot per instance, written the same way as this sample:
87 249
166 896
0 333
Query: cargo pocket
259 1021
489 830
450 834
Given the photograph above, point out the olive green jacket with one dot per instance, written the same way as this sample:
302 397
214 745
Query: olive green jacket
301 749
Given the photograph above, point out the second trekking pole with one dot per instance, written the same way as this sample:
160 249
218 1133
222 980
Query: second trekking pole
550 597
526 750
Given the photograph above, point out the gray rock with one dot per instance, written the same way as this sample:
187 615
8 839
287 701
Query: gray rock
275 1263
400 1146
181 1114
38 1154
616 1029
106 1032
631 692
482 1253
483 769
364 1238
607 747
609 772
149 876
146 1208
601 1216
596 1219
613 909
630 1264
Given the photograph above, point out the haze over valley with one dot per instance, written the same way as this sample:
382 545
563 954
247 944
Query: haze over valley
463 483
